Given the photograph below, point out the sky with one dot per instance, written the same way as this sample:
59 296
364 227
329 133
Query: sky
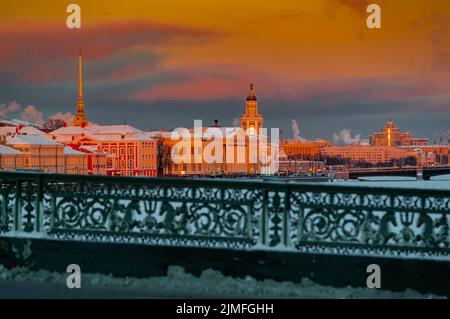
164 63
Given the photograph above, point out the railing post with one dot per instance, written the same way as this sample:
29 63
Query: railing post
18 207
4 211
39 203
264 212
287 209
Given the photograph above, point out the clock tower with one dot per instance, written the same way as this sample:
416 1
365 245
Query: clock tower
251 120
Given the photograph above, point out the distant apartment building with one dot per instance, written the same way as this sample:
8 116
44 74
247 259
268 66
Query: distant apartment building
369 154
304 149
390 135
434 154
288 166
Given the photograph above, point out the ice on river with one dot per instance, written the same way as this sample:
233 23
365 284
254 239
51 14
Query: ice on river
437 182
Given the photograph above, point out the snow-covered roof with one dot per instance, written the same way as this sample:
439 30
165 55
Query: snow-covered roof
121 137
7 130
90 148
8 150
29 139
99 133
21 122
102 137
94 129
95 150
4 122
30 130
71 151
157 134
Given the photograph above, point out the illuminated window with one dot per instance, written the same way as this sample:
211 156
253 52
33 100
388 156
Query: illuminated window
252 130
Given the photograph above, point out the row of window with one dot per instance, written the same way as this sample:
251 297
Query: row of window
121 150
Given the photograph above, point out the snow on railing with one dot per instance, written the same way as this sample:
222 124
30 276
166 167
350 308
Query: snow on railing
231 214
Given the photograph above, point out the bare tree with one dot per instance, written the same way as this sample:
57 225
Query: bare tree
53 124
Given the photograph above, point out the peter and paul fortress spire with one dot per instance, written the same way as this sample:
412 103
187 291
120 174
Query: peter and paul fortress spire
80 119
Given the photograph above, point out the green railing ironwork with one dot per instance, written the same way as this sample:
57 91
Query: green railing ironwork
234 214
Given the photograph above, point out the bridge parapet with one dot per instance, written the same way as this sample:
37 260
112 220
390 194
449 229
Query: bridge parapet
427 172
245 215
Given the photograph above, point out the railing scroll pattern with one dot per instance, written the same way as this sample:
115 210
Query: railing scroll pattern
226 214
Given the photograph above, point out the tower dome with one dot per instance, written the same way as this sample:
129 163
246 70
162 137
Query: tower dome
251 94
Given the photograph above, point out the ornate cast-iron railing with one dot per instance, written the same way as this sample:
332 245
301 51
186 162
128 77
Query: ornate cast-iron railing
227 214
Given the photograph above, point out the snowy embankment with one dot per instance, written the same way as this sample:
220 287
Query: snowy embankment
437 182
20 282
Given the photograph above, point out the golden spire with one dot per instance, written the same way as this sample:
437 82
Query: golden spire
80 119
80 75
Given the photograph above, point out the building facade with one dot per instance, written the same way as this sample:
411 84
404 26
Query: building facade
432 154
304 149
240 152
368 154
37 153
390 135
129 151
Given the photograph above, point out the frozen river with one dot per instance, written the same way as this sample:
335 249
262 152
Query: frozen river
437 182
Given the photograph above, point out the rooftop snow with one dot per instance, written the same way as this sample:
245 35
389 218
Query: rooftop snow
7 130
30 130
94 129
29 139
71 151
8 150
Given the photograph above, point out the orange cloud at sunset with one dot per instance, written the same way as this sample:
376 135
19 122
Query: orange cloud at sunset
298 51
